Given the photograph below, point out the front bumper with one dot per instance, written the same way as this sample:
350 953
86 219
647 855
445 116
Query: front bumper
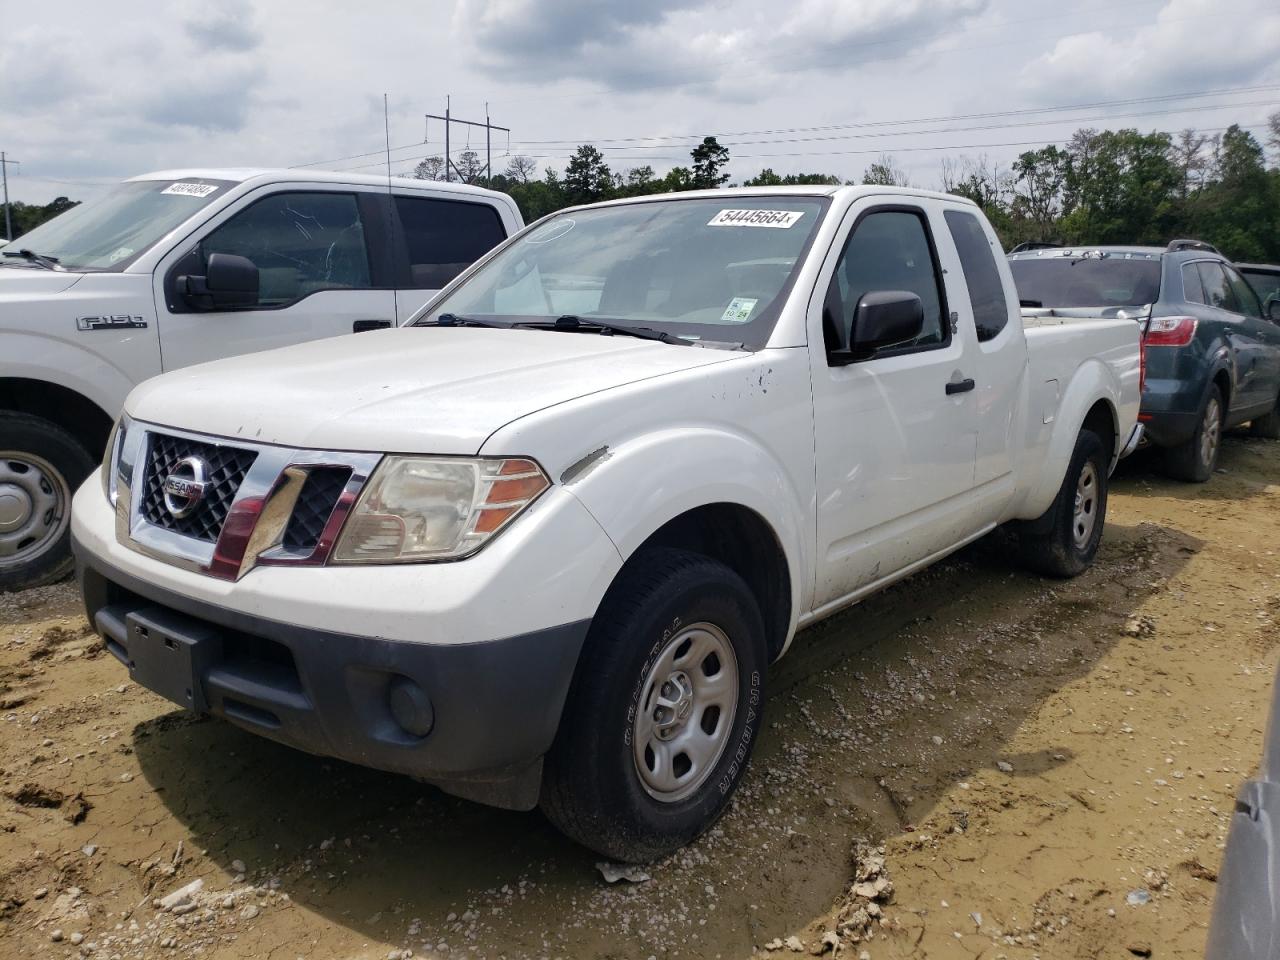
307 655
492 707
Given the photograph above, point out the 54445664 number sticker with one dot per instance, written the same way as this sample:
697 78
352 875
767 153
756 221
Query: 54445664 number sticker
783 219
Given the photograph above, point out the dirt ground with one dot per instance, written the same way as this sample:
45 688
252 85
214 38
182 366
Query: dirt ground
1032 759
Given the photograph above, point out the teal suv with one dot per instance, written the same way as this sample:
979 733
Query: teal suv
1211 357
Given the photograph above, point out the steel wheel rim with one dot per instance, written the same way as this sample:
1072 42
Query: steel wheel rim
1085 516
34 506
1210 433
685 712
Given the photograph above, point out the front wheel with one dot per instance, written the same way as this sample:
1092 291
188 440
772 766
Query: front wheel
1194 460
40 466
664 709
1064 540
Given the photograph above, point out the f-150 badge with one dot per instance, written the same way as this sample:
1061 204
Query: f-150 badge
115 321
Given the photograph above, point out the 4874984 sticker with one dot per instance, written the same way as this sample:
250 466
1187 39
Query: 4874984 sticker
777 219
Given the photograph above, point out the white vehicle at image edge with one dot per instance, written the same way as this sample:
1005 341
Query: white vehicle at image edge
541 547
179 267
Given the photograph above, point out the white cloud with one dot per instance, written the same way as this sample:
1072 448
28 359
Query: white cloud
1190 45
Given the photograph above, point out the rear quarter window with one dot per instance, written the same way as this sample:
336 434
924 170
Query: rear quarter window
978 262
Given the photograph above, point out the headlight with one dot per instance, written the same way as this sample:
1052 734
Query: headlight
110 458
435 508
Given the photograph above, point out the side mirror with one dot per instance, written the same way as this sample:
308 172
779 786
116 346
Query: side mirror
1273 309
230 281
883 318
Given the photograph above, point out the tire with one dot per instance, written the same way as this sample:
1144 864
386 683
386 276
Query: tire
593 788
1062 543
1268 425
41 465
1194 460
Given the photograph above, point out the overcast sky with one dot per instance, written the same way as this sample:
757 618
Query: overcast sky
91 92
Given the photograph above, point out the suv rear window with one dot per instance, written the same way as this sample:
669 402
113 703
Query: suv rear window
1065 281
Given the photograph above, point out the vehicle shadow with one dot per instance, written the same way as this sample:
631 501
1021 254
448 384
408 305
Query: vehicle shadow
874 716
1242 460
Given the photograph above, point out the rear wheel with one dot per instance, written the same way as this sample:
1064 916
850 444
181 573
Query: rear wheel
664 709
1063 542
1194 460
40 467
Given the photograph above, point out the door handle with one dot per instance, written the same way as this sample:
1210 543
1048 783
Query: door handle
360 326
960 386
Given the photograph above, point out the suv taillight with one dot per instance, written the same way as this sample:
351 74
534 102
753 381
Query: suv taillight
1169 331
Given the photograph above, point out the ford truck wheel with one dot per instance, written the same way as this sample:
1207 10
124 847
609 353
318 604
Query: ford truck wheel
40 466
1063 542
1194 460
664 709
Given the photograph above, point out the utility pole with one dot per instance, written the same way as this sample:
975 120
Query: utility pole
449 168
4 174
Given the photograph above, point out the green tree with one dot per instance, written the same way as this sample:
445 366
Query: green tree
709 159
587 178
884 172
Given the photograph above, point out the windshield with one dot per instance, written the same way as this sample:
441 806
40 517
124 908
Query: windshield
698 269
1092 281
112 231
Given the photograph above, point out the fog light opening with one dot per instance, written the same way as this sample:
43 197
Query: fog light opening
410 707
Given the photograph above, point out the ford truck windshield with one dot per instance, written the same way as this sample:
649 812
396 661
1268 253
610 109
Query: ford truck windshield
110 232
697 269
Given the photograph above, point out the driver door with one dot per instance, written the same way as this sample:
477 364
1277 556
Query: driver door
896 432
322 272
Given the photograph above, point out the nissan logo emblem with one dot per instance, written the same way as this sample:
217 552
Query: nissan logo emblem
185 486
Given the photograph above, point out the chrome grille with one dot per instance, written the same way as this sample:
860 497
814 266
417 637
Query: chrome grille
315 505
227 467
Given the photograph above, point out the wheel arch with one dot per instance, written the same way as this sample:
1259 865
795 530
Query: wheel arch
72 411
746 543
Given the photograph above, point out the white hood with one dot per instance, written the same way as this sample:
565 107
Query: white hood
17 283
413 390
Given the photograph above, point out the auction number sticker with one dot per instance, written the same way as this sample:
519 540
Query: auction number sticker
784 219
190 189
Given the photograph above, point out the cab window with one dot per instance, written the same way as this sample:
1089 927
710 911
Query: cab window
986 291
301 243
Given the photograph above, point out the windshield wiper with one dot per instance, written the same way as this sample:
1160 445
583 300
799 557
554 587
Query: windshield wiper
49 263
574 323
454 320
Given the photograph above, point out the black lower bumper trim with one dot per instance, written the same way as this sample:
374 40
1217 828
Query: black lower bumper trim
496 704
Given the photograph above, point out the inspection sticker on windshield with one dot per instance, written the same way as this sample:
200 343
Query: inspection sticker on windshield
756 218
738 310
191 189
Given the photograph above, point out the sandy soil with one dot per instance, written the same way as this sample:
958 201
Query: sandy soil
1023 754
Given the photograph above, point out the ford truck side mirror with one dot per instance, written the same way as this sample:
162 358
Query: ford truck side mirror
883 318
230 281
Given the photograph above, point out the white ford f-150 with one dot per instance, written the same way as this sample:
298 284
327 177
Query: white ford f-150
542 546
175 268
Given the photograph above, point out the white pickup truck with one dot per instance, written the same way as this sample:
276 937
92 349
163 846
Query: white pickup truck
542 546
179 267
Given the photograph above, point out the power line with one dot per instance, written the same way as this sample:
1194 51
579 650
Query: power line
607 143
1027 111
